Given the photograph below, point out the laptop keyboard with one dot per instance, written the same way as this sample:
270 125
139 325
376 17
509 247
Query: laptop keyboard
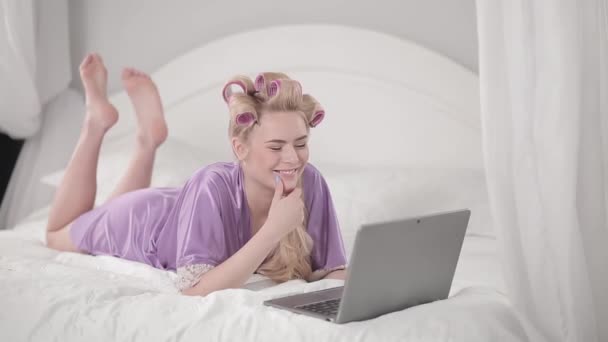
327 308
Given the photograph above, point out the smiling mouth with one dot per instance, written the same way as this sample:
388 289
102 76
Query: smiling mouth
286 172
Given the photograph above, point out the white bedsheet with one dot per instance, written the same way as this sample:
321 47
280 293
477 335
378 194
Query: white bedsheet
46 295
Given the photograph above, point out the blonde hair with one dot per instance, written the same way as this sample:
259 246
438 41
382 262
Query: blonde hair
247 101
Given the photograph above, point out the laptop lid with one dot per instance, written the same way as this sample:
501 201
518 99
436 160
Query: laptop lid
399 264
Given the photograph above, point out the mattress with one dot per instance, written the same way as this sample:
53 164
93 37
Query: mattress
46 295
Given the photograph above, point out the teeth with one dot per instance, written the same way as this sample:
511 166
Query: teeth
288 172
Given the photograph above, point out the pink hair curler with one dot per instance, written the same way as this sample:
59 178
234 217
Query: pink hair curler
229 91
317 118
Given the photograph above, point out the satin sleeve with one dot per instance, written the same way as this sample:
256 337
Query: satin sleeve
201 234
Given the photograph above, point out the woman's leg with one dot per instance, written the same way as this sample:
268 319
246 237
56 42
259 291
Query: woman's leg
76 192
151 131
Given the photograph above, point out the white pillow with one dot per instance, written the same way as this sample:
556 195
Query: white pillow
175 162
366 195
360 195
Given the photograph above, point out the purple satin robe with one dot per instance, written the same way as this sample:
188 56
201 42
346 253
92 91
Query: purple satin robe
203 222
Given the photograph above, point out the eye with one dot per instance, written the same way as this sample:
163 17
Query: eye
275 148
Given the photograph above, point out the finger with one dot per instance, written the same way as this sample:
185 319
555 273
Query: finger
278 187
295 193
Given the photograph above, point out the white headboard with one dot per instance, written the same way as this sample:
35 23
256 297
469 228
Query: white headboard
388 101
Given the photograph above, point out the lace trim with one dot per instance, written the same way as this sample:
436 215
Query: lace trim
189 276
319 274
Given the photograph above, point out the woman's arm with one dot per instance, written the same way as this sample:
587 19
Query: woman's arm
283 217
235 271
338 274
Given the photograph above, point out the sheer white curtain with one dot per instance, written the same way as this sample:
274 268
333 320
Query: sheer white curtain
544 89
19 102
35 101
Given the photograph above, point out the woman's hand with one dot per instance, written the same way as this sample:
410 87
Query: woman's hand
286 213
337 274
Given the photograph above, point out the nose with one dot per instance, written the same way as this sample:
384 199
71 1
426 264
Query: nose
289 154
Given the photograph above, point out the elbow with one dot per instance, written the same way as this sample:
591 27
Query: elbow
194 291
189 292
207 284
197 288
202 291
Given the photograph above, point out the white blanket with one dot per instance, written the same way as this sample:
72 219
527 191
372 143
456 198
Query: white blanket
46 295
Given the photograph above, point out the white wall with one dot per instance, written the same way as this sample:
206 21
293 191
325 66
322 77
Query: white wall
147 34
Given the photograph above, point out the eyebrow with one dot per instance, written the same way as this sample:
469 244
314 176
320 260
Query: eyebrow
284 142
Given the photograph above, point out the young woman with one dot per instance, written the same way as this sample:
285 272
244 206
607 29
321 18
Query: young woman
269 212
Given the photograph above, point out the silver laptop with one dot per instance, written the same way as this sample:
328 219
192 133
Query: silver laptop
394 266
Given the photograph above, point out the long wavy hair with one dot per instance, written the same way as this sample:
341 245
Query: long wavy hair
247 102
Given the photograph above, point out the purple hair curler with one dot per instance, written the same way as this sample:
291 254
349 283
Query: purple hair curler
244 119
273 88
259 82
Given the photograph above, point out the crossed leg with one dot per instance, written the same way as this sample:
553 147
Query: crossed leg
151 131
76 192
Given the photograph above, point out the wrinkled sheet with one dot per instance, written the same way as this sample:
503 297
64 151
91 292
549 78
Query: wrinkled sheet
47 295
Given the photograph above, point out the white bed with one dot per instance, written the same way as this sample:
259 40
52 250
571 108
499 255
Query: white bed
412 148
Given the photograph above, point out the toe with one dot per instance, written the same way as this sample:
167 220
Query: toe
98 57
126 73
86 60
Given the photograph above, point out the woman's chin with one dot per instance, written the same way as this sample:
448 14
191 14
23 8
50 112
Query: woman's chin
288 189
289 183
289 186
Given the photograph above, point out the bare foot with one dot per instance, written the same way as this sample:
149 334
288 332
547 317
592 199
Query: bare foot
100 112
152 128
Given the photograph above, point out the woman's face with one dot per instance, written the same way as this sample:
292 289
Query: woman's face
278 145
